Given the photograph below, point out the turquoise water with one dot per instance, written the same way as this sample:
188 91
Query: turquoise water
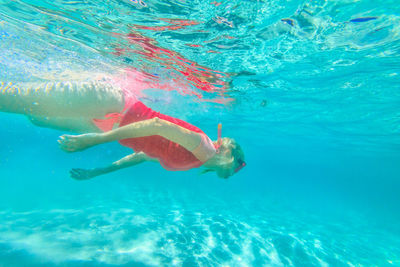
310 89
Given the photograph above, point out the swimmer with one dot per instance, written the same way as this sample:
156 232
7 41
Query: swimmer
104 113
175 144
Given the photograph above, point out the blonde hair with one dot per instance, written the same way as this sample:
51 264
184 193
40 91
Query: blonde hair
231 144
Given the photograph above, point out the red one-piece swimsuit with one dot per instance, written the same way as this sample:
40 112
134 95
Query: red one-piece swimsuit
171 156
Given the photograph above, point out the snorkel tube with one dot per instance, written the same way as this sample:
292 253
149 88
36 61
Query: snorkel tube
219 141
241 163
219 133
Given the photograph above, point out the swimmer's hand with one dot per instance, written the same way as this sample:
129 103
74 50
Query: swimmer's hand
128 161
82 174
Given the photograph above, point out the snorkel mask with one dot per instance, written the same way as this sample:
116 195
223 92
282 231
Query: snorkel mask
241 162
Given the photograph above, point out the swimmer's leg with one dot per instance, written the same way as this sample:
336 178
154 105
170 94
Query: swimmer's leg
90 99
128 161
70 124
155 126
74 143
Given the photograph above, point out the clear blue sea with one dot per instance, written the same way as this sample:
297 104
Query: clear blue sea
310 90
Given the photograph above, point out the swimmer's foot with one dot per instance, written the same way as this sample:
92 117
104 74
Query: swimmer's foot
74 143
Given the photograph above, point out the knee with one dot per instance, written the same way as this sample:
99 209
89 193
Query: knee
157 125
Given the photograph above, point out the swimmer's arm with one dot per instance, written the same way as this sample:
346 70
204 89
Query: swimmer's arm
128 161
175 133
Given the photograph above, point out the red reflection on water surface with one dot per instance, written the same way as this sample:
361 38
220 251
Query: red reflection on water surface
186 73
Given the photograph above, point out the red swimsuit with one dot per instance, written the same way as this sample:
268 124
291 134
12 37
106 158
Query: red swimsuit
172 156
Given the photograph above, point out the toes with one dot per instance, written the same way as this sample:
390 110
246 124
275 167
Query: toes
73 143
63 145
67 143
66 137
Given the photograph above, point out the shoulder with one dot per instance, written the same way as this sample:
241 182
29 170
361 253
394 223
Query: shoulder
205 150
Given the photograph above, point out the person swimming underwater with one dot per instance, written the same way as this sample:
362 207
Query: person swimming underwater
174 143
103 110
